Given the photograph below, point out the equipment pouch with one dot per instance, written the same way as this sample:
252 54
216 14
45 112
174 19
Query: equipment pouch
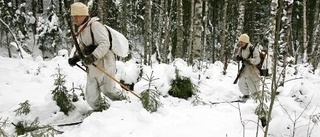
87 50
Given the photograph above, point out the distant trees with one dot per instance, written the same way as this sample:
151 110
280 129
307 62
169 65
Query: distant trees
161 30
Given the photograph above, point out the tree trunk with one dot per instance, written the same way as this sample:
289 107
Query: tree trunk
204 33
274 82
272 24
241 11
224 57
190 39
304 35
179 49
167 28
148 40
314 58
196 45
287 41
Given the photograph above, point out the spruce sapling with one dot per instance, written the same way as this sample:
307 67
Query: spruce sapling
181 87
23 109
34 129
150 96
60 93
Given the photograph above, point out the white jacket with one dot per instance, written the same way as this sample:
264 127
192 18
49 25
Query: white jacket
98 82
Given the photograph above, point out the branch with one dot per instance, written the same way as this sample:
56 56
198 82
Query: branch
14 36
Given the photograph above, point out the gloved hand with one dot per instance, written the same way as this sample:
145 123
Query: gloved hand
88 60
246 61
239 58
73 61
87 50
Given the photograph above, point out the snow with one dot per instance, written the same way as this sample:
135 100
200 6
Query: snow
295 111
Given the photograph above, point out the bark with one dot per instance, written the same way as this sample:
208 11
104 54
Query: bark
224 55
241 11
274 85
148 40
179 49
196 46
304 35
286 39
315 52
190 39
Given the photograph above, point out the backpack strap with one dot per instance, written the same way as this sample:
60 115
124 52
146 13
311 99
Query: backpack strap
110 37
92 36
251 51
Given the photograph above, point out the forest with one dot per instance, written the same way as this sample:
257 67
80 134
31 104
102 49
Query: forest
206 30
159 31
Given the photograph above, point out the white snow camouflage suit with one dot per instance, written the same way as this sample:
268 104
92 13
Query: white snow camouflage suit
98 82
249 81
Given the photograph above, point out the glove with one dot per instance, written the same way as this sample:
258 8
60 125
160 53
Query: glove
73 61
239 58
89 60
246 61
87 50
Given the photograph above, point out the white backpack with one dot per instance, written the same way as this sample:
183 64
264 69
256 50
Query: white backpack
118 42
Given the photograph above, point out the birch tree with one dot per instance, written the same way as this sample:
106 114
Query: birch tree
196 44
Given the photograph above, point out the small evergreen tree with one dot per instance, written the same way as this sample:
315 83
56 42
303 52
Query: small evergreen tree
23 109
198 101
261 97
181 87
34 129
60 93
150 96
103 104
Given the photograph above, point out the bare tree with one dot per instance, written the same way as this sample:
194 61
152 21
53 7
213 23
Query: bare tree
274 85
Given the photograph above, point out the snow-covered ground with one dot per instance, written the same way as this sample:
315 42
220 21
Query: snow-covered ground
295 112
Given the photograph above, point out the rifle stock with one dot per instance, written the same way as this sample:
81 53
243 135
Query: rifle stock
238 75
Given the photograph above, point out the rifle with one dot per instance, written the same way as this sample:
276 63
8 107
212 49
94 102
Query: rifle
239 73
69 22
